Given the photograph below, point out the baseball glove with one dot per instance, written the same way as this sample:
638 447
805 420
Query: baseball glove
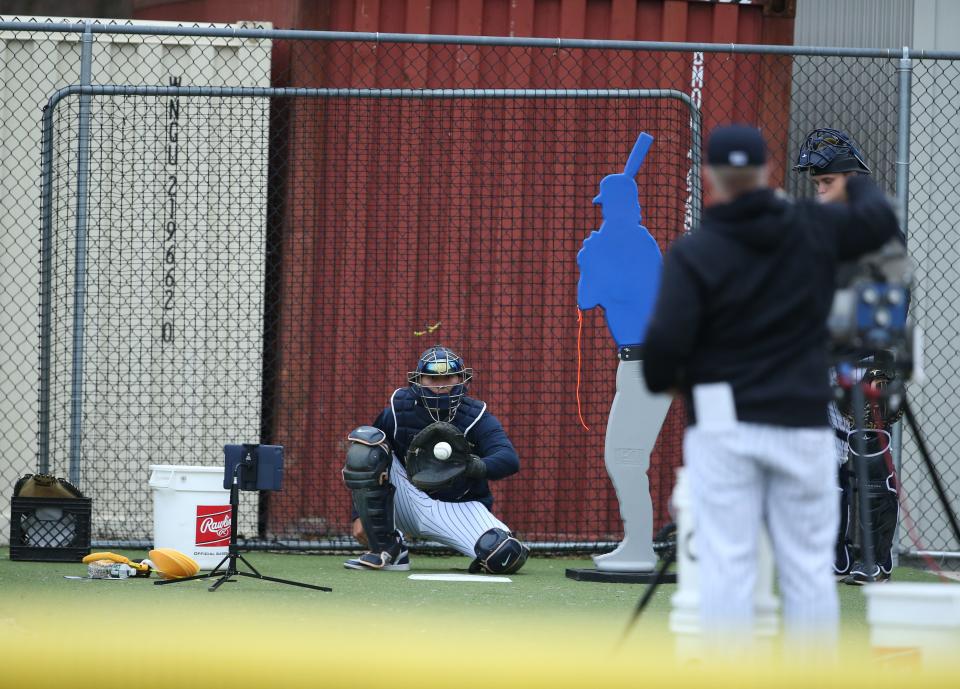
430 472
45 486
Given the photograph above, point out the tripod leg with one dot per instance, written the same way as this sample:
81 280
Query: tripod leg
286 581
212 573
233 554
252 568
222 580
648 594
932 470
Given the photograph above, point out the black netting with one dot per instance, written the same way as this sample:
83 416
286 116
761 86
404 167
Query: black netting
261 268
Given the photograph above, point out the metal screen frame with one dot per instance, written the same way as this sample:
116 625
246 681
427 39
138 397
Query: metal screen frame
88 91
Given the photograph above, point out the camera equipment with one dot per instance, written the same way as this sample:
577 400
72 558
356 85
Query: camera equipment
246 467
869 312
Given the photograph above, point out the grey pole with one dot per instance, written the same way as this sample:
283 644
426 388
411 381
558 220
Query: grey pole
46 286
697 145
904 77
516 41
80 260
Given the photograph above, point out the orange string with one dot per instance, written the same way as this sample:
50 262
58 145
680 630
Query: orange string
579 361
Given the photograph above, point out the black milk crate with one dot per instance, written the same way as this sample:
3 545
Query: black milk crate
50 529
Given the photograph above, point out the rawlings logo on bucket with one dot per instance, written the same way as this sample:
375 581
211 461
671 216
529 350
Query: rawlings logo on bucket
213 526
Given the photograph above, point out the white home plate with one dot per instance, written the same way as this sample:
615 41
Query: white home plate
460 577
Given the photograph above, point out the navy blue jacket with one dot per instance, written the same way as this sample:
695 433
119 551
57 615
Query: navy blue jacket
744 300
405 416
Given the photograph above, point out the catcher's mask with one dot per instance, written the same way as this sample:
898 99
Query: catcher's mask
828 151
439 361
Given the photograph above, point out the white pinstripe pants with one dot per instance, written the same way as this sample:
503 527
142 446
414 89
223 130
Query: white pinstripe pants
454 524
840 423
785 478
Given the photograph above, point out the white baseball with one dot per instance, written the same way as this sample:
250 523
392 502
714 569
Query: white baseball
442 450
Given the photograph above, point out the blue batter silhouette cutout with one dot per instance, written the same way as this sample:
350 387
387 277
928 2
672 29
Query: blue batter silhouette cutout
620 263
620 268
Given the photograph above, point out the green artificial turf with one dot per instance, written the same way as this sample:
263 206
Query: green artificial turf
539 591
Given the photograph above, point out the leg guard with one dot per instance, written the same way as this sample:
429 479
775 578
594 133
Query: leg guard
843 559
498 552
367 475
882 507
884 510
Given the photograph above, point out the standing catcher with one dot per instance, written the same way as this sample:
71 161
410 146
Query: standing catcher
423 470
832 157
739 329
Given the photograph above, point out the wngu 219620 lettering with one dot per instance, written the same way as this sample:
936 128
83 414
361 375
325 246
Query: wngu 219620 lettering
170 204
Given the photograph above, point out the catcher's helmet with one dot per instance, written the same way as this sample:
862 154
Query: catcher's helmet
440 361
827 151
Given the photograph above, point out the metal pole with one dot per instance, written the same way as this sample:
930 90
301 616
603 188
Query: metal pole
697 145
80 260
46 286
514 41
408 93
945 554
904 77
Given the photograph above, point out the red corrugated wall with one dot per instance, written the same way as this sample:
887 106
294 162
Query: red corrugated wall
351 291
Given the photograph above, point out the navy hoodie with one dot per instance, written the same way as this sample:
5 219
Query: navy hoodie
744 300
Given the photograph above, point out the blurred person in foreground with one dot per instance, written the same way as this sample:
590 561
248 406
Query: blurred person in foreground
739 330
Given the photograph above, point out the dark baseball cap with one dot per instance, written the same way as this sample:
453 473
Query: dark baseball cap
736 145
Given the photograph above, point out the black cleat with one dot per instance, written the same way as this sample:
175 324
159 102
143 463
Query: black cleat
395 559
858 575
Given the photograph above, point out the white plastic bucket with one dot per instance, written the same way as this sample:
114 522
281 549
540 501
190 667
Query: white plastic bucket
191 512
914 623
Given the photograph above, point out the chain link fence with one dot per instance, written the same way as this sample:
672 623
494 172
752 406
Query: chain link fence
258 250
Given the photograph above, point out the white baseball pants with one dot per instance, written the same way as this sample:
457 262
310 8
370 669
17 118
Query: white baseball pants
457 525
785 478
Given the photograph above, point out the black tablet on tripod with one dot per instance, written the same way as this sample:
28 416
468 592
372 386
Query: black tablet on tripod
246 467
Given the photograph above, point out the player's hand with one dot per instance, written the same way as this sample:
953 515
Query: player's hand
359 533
476 467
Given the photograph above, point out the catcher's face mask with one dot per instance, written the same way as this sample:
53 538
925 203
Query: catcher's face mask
828 151
439 364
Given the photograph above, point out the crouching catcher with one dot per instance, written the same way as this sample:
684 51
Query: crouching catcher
422 470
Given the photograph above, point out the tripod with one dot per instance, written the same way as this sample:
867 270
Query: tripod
667 559
859 408
932 471
233 553
867 552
